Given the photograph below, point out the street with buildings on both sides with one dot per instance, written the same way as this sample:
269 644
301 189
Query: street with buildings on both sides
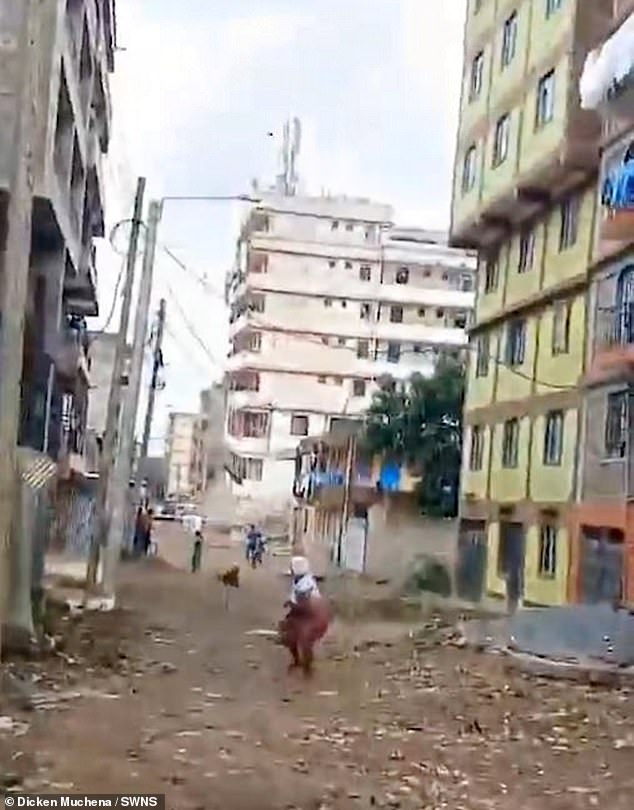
482 647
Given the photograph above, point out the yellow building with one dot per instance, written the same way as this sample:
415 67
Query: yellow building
525 196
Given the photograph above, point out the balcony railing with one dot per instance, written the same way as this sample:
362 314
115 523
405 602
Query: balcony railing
615 326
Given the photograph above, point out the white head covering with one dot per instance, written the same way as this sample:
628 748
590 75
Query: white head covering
300 566
305 586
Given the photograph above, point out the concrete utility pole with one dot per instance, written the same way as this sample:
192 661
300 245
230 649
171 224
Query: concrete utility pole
114 398
14 269
123 463
158 363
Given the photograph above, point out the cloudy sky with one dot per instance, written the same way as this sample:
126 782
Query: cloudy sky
199 84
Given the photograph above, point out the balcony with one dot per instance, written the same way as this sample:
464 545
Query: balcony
71 357
614 343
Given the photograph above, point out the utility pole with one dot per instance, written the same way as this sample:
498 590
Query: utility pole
110 437
123 463
347 495
14 269
156 367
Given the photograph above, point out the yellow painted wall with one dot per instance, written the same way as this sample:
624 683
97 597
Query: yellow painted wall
497 180
494 583
509 484
539 590
516 383
550 483
561 369
489 303
561 265
544 590
506 80
546 34
477 23
538 143
466 205
480 389
520 286
473 110
474 482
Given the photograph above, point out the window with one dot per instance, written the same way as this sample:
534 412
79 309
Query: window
616 425
568 222
548 552
334 225
299 425
358 388
552 6
363 349
332 264
501 140
247 469
365 312
561 327
527 251
468 170
482 361
254 342
396 314
421 312
440 313
510 443
321 379
256 304
476 451
466 282
477 68
348 265
417 348
327 302
393 352
516 342
349 226
477 5
365 273
255 424
553 438
337 380
402 275
509 39
325 340
341 341
460 320
491 274
545 99
344 303
253 469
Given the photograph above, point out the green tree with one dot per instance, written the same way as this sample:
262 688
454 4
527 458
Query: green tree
419 423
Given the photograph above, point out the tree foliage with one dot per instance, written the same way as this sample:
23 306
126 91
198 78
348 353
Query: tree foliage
419 423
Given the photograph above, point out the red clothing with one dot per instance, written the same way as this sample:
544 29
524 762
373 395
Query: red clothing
304 626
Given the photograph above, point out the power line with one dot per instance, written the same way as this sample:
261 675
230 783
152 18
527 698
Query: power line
204 283
192 329
186 352
104 328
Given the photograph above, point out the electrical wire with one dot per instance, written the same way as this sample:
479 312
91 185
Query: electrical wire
192 330
204 283
113 306
186 352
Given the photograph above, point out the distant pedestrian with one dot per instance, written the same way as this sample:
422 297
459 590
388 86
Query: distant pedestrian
149 525
194 523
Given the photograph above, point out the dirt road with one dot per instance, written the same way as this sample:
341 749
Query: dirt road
173 694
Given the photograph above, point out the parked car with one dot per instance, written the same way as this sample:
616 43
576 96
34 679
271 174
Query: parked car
165 511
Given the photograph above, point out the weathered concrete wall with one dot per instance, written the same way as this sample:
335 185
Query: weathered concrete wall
581 632
398 536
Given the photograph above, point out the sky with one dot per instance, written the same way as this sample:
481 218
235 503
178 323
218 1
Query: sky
198 87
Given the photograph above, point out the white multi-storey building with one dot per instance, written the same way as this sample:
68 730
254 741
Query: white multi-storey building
326 299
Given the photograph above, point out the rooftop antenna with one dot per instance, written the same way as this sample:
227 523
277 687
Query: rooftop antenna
288 179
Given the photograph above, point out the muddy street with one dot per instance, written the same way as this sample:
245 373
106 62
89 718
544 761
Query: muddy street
172 693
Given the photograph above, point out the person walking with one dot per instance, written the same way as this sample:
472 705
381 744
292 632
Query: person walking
195 525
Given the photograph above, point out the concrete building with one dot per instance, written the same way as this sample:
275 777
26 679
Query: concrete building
184 451
326 298
525 197
75 53
212 411
381 531
602 558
